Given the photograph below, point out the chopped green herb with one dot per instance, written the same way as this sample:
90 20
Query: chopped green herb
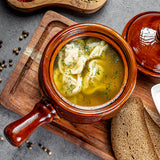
74 63
115 73
98 72
105 76
106 93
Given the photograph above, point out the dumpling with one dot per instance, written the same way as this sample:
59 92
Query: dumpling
72 57
71 54
95 47
92 79
99 50
90 44
79 66
72 85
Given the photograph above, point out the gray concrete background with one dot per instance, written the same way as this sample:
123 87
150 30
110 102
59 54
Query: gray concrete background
115 14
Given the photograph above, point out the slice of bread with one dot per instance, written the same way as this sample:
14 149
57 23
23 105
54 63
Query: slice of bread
129 133
154 132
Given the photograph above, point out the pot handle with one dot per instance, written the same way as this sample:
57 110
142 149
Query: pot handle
18 131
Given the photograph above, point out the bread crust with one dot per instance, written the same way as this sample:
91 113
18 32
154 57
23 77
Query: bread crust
154 132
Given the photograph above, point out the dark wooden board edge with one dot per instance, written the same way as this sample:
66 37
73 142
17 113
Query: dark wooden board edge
6 101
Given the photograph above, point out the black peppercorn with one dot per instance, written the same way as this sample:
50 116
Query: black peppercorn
20 38
30 144
25 36
24 32
1 138
27 33
10 64
41 146
10 60
45 149
14 50
29 147
17 52
49 152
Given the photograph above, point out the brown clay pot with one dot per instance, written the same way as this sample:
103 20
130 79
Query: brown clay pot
53 105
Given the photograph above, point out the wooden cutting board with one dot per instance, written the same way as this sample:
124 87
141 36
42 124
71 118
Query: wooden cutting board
21 92
82 6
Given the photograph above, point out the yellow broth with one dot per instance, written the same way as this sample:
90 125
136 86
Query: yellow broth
88 72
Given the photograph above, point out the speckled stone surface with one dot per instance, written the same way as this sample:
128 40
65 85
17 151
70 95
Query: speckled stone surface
115 14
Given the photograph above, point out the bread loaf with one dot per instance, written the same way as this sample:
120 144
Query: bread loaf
129 133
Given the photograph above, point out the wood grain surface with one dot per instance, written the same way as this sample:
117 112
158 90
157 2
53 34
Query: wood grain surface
21 92
77 5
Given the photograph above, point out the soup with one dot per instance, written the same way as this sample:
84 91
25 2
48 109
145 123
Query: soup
88 71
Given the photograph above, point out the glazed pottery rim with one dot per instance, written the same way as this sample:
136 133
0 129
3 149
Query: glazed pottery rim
125 35
78 28
109 41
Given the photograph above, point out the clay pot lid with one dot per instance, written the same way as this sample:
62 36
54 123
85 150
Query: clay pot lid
142 32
